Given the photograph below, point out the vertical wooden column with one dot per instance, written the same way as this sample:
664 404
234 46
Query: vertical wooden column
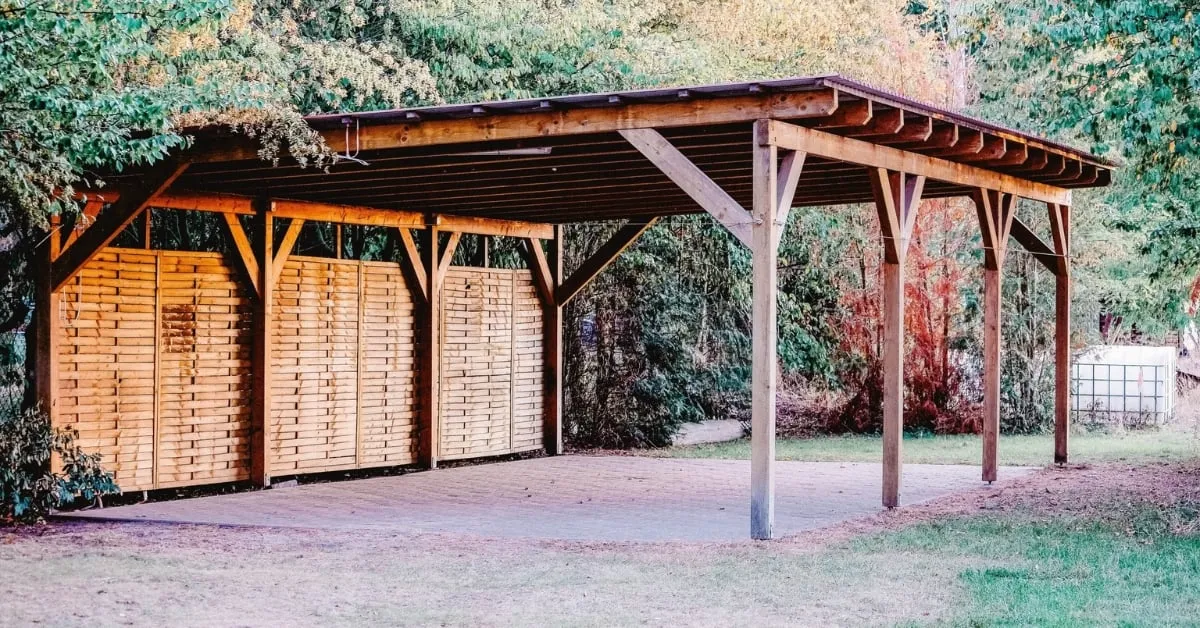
1060 227
893 380
429 364
763 238
552 427
264 328
896 197
991 371
48 331
996 211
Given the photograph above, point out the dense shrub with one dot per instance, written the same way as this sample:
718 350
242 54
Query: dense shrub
28 487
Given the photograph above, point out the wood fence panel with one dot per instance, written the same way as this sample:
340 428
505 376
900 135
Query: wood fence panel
314 395
476 363
204 371
388 401
491 363
527 399
106 372
155 366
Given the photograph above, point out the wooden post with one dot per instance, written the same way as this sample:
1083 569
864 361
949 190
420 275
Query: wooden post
429 341
552 427
1062 366
1060 227
991 371
893 380
48 331
996 211
264 328
763 238
896 197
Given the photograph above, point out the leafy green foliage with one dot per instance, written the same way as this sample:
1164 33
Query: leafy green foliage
28 487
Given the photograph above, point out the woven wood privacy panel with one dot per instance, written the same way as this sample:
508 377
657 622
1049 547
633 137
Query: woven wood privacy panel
491 341
387 397
154 367
314 422
205 333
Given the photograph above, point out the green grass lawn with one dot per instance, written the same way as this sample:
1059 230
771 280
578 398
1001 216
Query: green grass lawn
1036 450
1059 573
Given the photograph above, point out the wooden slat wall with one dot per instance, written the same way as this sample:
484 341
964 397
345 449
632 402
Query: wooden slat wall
527 398
491 338
388 394
204 371
314 424
156 375
106 370
155 367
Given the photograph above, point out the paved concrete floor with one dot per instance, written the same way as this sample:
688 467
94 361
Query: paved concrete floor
610 498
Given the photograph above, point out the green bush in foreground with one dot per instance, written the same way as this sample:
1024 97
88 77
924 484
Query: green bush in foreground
28 487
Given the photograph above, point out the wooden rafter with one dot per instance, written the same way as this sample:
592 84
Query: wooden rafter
692 181
111 222
598 261
855 151
849 115
881 124
970 142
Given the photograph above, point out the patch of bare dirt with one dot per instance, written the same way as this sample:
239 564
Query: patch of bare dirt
1104 493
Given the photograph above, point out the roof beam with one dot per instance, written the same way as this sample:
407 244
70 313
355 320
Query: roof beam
847 149
692 181
112 221
352 214
789 105
1036 247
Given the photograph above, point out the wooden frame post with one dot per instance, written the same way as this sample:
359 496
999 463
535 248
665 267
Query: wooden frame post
48 331
430 350
552 426
1060 227
764 236
896 198
996 211
264 328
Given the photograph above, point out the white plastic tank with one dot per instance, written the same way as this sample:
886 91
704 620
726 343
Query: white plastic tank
1119 382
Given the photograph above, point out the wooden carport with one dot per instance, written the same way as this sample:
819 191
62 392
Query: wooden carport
744 153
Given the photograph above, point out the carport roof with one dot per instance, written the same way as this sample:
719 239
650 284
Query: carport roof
562 159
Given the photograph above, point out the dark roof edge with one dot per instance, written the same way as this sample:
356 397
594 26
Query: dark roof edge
716 90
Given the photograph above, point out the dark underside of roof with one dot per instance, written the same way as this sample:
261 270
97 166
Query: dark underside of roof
601 176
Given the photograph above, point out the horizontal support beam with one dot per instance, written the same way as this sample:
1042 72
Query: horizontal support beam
349 214
831 146
370 137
